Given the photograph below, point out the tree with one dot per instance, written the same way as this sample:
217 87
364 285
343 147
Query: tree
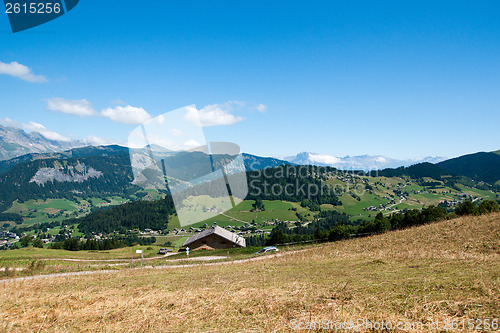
25 241
258 205
71 244
37 242
381 223
433 213
488 206
277 237
466 208
319 235
340 232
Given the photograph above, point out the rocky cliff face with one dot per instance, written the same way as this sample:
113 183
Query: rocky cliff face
78 174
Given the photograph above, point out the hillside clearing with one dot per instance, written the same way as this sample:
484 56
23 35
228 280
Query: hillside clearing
443 271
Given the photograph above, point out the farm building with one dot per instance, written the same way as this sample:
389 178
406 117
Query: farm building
215 238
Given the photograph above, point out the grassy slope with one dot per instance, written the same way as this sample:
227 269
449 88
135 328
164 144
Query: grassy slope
36 253
274 210
37 211
440 271
384 186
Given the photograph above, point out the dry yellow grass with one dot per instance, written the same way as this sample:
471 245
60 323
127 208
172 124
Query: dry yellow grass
444 271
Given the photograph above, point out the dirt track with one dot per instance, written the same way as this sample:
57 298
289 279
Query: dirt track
232 262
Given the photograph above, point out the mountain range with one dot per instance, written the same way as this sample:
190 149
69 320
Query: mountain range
362 162
106 171
15 142
60 168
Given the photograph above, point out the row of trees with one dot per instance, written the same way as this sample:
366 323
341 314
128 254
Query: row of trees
11 217
30 240
74 244
469 208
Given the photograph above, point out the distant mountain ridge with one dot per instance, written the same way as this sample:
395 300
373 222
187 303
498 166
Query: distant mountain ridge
87 151
101 170
252 162
106 171
483 166
50 178
15 142
363 162
480 166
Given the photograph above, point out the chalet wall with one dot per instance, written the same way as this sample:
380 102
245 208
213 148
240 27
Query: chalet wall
212 242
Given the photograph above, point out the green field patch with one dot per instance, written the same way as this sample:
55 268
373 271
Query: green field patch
35 253
327 207
413 187
305 211
98 202
407 205
476 192
41 205
221 220
162 239
51 210
116 200
242 214
180 241
355 208
429 198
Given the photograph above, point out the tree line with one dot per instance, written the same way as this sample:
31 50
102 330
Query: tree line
74 244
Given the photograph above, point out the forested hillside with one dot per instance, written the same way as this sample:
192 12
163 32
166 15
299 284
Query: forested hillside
139 214
480 166
56 178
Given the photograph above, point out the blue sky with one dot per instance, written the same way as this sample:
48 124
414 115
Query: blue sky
401 79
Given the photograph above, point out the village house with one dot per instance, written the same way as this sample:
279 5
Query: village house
214 238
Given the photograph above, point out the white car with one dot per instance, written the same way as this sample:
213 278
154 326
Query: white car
268 249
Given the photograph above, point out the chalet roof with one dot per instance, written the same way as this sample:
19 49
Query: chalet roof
221 232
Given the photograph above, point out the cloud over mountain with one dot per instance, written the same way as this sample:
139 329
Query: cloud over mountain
127 114
213 115
363 162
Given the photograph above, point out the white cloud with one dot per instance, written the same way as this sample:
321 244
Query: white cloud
192 143
127 114
324 159
98 141
8 122
261 108
118 102
22 72
212 115
34 127
80 107
51 135
160 119
176 132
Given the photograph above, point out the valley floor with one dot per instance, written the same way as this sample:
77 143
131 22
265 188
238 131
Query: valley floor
438 273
